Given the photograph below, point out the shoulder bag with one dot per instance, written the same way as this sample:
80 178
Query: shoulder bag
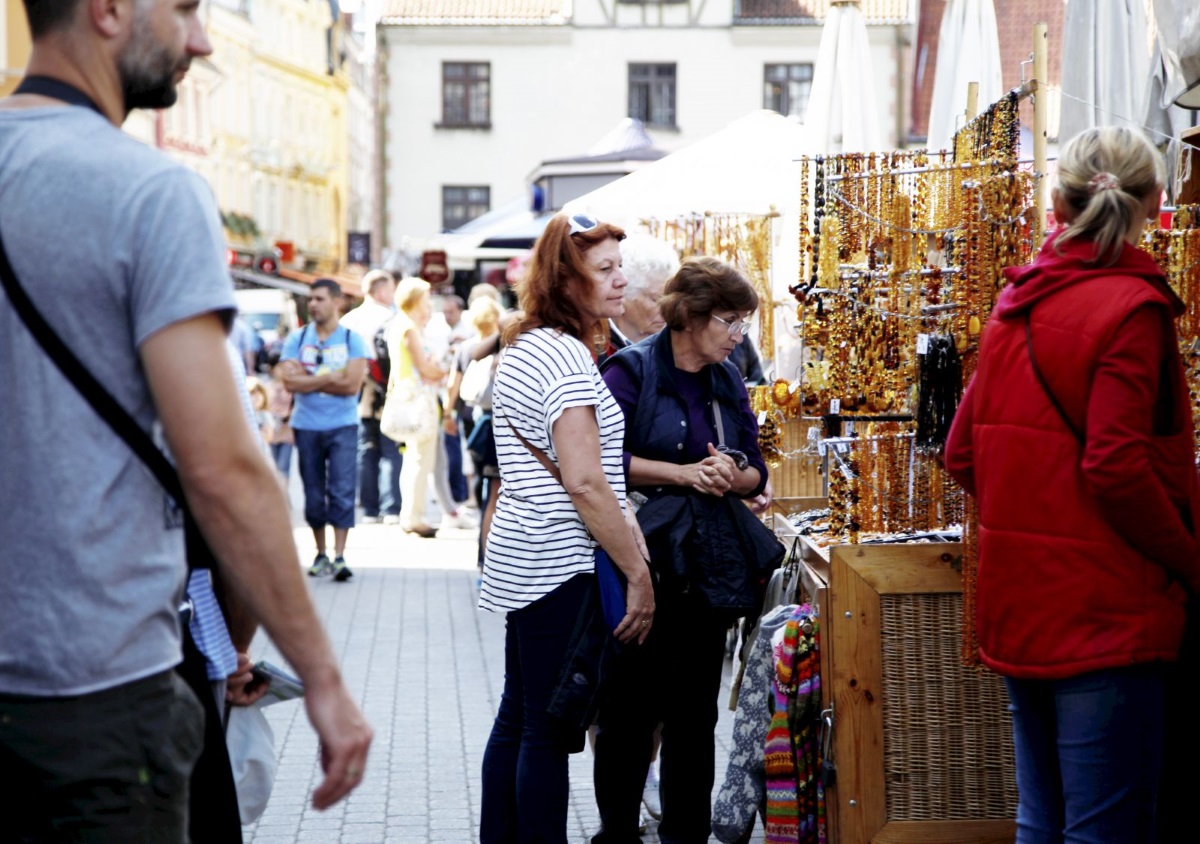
608 577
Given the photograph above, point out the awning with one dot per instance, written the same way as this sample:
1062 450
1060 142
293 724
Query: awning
351 285
520 236
262 280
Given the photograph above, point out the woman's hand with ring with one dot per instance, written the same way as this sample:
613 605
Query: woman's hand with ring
639 610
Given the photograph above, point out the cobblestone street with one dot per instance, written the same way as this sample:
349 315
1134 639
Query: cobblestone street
428 669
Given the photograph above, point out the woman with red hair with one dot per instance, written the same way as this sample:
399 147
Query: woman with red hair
559 439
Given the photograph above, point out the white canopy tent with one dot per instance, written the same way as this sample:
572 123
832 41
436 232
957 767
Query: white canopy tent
968 50
749 167
842 115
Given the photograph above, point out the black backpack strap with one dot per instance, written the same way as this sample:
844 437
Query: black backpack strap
1062 411
107 407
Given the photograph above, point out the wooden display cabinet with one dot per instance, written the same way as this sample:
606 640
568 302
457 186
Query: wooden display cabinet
922 744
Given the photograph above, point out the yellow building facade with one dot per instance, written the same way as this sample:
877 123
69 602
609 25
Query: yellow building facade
14 45
279 153
264 120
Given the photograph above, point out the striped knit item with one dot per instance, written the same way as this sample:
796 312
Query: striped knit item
791 749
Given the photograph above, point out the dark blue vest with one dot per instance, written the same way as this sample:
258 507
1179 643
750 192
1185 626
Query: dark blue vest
659 427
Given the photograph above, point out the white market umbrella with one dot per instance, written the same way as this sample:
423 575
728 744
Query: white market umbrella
1106 65
748 167
842 115
968 50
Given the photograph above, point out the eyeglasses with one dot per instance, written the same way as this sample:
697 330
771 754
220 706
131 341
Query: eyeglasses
581 223
736 326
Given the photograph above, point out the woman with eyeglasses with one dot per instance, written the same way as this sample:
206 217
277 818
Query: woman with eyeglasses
689 431
559 440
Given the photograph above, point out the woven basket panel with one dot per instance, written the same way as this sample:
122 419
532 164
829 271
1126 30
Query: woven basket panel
948 751
798 476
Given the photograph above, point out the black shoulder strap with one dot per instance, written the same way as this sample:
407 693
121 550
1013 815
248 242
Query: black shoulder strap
124 425
1062 412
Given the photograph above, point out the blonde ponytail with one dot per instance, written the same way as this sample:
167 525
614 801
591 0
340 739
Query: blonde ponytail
1105 175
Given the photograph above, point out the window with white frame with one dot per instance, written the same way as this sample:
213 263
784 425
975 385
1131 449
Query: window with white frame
786 88
652 94
467 94
463 203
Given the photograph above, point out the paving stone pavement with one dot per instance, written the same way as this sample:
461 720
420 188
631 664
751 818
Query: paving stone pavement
427 667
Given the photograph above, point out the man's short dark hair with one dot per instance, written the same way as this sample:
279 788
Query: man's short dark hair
45 16
335 289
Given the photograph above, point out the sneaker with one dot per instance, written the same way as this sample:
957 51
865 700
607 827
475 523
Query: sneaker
459 521
650 797
320 567
341 571
424 531
370 520
391 519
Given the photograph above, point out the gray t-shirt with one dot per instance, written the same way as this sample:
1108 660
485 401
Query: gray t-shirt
113 241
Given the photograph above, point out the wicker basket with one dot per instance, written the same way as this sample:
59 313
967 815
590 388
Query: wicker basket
922 745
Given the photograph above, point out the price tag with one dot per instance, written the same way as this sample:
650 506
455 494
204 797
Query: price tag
762 417
842 447
835 406
821 448
922 344
793 387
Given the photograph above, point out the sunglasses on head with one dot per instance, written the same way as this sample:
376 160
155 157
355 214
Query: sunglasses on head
582 223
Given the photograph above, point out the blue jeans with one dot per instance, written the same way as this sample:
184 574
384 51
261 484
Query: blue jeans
281 453
379 463
525 783
1089 753
454 468
327 467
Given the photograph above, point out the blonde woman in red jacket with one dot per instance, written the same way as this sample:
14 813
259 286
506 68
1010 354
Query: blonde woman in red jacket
1076 436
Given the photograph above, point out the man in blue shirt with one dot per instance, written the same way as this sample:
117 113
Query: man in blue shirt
323 365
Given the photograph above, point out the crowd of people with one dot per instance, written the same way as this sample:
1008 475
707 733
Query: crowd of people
606 421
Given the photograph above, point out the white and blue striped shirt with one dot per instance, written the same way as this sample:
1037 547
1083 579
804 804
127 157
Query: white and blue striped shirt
538 540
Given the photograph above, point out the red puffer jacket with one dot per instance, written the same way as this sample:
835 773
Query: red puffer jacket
1082 548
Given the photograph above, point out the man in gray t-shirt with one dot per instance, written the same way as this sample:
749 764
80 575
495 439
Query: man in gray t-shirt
120 249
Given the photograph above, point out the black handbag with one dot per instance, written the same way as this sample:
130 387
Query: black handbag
213 811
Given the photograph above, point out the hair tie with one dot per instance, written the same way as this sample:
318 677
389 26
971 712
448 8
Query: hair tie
1102 182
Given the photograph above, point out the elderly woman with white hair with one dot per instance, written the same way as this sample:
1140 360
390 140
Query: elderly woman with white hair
647 263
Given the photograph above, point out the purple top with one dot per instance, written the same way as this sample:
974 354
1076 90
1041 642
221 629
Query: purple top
696 391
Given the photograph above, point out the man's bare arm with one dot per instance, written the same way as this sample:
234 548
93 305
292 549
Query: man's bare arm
348 381
240 507
296 380
344 382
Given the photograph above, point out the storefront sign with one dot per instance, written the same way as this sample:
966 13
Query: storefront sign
434 268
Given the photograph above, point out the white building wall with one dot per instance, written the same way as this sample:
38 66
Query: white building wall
555 90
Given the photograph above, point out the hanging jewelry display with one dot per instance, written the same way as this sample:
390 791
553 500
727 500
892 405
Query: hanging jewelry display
939 391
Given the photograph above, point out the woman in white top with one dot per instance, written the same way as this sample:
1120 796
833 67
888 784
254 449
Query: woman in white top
412 363
539 561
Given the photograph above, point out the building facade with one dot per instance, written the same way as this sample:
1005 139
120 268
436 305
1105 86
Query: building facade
362 206
477 93
14 45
